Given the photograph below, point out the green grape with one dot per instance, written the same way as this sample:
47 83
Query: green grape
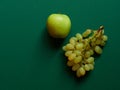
93 44
70 63
78 74
88 47
82 71
90 60
77 52
87 54
104 38
85 43
79 36
75 67
98 49
87 67
91 66
87 32
90 37
68 53
102 31
94 32
69 47
102 43
93 40
79 46
72 41
91 52
71 56
98 41
74 38
64 48
78 59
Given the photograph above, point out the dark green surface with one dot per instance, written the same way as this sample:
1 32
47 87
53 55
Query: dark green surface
30 60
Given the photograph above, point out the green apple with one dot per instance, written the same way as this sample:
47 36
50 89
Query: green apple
58 25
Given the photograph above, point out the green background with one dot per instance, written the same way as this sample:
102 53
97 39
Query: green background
31 60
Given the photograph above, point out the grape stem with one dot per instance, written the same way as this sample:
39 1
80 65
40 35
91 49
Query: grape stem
100 29
98 33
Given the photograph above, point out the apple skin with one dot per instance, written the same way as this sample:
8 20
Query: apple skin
58 25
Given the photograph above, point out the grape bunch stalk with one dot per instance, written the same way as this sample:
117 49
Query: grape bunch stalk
81 48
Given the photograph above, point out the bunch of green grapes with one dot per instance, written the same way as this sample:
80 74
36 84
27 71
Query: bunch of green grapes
81 49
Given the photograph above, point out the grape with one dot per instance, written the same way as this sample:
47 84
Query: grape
64 48
81 49
94 32
71 56
88 47
91 66
78 59
98 41
69 47
102 31
68 53
87 67
102 43
74 38
86 33
98 49
93 44
86 44
82 71
79 46
87 54
78 74
77 52
91 52
79 36
90 60
75 67
93 40
105 38
70 63
72 41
